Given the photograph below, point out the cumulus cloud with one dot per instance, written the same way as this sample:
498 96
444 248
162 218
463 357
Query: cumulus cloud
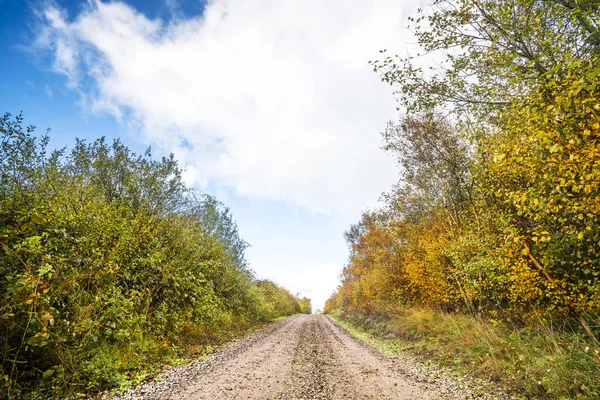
272 99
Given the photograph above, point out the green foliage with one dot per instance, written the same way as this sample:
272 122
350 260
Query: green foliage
276 301
110 266
491 51
305 306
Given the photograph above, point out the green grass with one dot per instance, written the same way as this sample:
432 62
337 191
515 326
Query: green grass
281 318
534 362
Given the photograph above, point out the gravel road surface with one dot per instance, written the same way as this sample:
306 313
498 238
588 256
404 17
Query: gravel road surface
302 357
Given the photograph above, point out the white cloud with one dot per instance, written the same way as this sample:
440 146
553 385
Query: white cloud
273 99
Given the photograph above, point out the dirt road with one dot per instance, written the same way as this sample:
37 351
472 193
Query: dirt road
303 357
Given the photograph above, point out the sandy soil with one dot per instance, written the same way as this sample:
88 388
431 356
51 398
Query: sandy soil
302 357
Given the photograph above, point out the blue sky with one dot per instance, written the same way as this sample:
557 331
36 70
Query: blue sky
271 106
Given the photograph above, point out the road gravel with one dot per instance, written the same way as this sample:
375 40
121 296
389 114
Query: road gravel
302 357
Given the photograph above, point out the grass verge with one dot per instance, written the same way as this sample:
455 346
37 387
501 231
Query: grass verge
533 362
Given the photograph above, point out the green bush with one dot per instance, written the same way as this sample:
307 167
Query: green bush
276 301
109 266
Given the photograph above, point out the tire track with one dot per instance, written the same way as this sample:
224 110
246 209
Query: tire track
308 375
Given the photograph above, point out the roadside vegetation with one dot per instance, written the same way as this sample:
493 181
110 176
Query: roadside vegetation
486 252
111 267
533 362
